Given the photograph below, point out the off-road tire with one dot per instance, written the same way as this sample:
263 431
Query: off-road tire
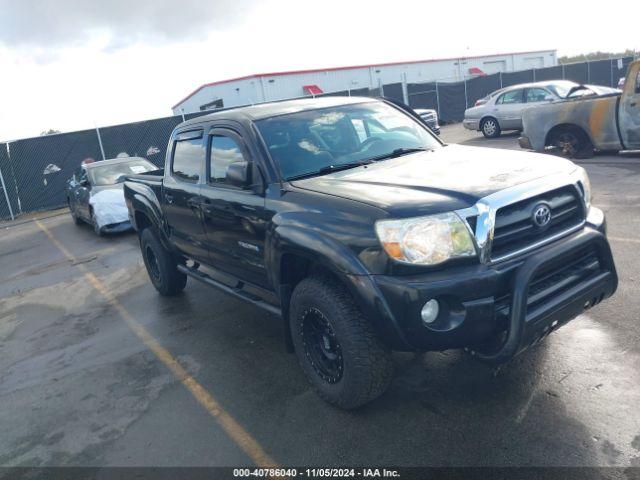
367 366
487 131
161 264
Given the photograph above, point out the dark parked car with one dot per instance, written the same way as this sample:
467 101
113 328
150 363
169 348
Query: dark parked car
95 195
349 219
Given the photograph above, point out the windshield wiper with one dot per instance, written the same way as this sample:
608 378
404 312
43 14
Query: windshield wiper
398 152
330 169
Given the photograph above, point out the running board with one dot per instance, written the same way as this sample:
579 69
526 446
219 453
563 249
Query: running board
237 291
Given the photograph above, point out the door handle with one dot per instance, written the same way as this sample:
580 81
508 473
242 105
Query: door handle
168 197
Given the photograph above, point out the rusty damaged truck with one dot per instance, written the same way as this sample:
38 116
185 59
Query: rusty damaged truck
576 127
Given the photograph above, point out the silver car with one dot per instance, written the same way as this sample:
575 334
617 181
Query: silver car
502 109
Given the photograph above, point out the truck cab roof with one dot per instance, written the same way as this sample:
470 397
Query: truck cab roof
273 109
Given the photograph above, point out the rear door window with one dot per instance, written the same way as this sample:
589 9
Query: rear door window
535 95
514 96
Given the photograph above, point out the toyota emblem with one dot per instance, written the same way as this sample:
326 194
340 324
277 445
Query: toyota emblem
541 216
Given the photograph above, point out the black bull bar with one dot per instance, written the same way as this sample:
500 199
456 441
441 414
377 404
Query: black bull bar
526 328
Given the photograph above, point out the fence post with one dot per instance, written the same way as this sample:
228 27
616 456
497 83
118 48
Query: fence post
534 73
466 100
611 72
4 186
563 72
100 143
588 71
500 74
6 195
405 93
438 101
15 179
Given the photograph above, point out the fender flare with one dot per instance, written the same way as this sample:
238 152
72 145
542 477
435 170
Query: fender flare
344 264
141 204
313 246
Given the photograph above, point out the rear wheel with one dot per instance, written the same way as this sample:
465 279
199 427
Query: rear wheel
341 356
490 128
572 143
161 264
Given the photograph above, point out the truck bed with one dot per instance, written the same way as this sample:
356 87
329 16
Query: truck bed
150 178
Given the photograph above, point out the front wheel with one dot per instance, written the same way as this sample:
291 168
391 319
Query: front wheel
161 264
340 354
74 214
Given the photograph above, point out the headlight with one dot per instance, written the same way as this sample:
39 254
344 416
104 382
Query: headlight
426 240
585 184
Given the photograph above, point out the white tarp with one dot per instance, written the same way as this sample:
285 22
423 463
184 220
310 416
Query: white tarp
109 207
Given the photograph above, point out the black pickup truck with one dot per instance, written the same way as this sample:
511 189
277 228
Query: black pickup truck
350 220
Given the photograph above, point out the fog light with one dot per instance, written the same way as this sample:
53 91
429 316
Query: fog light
430 311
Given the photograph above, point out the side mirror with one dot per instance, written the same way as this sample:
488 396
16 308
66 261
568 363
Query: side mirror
85 182
238 174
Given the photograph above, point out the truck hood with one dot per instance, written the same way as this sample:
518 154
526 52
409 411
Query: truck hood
448 178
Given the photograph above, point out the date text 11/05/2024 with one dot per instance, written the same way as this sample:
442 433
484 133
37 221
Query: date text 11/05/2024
316 473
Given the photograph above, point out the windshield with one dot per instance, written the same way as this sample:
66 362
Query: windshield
110 174
306 142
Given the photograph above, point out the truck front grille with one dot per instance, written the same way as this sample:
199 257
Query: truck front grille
516 227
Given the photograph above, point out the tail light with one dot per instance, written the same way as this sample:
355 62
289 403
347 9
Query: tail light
479 102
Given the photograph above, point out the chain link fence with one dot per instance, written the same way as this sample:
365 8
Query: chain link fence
451 99
34 171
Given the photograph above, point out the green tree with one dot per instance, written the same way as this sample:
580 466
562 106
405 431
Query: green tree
585 57
51 131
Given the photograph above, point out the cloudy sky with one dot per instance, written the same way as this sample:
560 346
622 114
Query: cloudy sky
65 64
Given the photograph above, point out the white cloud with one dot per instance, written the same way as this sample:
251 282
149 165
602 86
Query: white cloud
119 61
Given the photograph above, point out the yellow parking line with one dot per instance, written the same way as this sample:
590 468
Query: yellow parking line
233 429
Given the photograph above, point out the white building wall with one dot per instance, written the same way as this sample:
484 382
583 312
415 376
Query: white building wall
289 85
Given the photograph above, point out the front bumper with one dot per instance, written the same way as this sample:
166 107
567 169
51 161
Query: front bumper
527 297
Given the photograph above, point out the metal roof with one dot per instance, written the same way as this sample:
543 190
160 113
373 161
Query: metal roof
350 67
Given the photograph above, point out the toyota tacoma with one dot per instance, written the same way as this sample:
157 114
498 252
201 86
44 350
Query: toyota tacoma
352 222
